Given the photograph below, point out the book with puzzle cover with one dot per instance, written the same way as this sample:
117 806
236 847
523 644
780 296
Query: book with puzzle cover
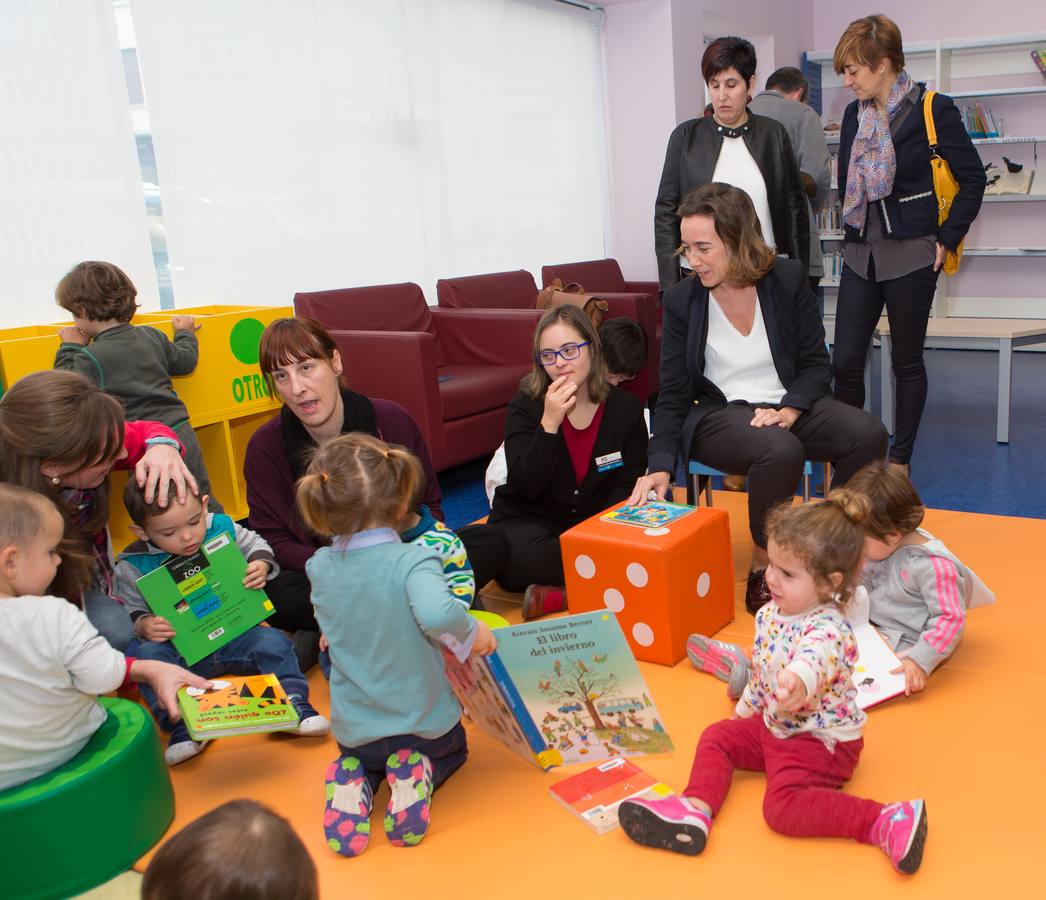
204 599
656 514
873 676
595 794
242 704
562 691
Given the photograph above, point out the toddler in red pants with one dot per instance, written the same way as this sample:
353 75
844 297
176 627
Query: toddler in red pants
797 719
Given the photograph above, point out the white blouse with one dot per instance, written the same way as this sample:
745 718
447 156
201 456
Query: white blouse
736 166
740 365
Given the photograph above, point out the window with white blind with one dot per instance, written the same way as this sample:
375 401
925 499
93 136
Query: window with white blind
322 144
69 174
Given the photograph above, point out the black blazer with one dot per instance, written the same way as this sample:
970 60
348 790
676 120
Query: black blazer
911 208
693 150
541 483
793 327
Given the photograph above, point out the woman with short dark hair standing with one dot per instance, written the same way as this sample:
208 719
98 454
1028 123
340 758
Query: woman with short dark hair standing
737 147
894 248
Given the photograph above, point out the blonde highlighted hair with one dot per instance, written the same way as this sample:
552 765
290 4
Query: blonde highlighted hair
827 537
354 482
868 42
894 505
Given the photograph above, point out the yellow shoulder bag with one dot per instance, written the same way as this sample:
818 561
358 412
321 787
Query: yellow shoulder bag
944 184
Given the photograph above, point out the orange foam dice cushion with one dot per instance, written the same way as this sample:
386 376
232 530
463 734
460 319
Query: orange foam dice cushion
663 583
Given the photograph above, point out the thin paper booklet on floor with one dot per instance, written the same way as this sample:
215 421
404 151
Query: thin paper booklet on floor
562 691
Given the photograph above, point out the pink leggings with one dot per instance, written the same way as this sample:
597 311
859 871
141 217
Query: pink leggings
803 778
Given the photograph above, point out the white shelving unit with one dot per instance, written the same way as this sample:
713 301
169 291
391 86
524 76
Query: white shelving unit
971 69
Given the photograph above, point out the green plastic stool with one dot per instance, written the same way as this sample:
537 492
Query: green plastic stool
92 818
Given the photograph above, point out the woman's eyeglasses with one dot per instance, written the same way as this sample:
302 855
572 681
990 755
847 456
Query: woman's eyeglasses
567 351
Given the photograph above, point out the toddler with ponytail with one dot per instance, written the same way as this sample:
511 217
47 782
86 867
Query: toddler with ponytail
387 613
797 718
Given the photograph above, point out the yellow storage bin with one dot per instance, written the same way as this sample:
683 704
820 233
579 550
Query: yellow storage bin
226 397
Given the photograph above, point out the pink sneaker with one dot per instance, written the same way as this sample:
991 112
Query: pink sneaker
901 832
669 824
726 661
542 600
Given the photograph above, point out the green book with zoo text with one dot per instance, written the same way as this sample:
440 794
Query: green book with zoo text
562 691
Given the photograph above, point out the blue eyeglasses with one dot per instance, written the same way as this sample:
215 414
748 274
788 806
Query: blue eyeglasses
567 351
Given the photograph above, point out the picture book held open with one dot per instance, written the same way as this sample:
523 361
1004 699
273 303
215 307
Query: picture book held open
204 599
243 704
873 675
562 691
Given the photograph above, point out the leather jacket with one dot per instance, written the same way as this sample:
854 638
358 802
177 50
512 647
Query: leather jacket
693 150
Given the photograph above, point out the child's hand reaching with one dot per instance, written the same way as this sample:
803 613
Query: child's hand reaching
73 335
257 573
485 642
324 643
184 323
791 691
914 676
165 679
154 628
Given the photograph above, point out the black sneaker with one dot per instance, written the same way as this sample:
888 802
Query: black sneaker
757 594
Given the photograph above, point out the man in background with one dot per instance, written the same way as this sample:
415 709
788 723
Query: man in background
785 100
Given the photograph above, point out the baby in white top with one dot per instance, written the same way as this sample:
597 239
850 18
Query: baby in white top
53 663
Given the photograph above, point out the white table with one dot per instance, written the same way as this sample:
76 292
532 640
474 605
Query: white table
1007 333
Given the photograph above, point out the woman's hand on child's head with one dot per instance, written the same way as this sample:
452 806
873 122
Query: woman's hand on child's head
791 691
154 628
73 335
485 642
559 401
257 574
914 676
160 466
165 679
184 323
656 482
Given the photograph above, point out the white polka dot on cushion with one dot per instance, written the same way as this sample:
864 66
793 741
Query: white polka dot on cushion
642 634
585 566
704 582
637 575
655 532
614 600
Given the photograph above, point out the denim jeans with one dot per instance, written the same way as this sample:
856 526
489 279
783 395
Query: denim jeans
447 753
109 616
258 651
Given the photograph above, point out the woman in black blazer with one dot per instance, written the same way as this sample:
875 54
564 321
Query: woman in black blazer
894 248
735 146
574 445
745 377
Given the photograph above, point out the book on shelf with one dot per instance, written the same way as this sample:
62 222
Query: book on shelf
873 675
243 704
561 691
1038 56
203 597
595 794
655 514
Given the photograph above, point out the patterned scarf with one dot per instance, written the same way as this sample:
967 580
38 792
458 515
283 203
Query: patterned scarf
873 162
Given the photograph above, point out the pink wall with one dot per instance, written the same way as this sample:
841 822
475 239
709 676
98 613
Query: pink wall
652 53
930 20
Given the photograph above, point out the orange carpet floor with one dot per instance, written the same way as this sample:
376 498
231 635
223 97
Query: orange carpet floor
497 832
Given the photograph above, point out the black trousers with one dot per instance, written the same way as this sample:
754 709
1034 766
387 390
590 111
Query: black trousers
291 594
907 300
772 457
528 548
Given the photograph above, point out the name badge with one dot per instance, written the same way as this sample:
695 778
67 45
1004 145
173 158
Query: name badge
608 462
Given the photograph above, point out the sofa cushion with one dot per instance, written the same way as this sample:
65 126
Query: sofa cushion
497 290
469 390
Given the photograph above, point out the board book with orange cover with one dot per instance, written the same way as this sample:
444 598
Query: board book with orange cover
595 794
234 705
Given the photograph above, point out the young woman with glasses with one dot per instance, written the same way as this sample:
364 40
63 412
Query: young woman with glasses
575 445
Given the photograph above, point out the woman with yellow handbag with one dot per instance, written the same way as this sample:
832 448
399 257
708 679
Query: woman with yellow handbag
898 235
